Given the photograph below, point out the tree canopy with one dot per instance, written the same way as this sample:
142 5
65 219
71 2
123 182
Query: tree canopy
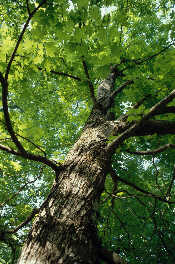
53 56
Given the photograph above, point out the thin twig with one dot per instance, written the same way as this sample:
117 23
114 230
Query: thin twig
29 218
35 145
149 194
142 60
21 188
170 185
152 152
66 75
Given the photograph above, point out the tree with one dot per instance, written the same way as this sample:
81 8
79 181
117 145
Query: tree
87 130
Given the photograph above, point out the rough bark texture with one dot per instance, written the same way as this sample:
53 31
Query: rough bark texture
64 231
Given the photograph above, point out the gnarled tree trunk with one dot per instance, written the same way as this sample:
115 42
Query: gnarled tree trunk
64 231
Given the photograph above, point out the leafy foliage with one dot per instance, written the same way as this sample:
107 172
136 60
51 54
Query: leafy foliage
49 102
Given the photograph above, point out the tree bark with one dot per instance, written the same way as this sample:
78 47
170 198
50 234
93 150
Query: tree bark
64 230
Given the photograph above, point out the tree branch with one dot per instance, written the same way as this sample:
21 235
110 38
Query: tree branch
142 60
33 157
37 146
171 185
28 8
149 194
66 75
29 218
4 82
20 38
91 87
160 105
139 128
113 95
152 152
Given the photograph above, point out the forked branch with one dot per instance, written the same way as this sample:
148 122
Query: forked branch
33 157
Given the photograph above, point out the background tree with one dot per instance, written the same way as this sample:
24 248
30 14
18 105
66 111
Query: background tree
87 131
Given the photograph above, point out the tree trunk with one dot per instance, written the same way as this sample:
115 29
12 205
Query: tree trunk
65 230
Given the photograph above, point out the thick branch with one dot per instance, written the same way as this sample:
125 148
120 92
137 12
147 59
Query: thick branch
140 128
91 87
152 152
150 127
160 105
113 95
28 8
165 110
22 152
33 157
4 83
7 116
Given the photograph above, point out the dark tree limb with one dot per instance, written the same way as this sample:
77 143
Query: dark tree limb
20 38
152 152
66 75
168 193
165 110
28 8
116 92
143 127
110 257
160 105
4 82
147 59
29 218
91 87
149 194
33 157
